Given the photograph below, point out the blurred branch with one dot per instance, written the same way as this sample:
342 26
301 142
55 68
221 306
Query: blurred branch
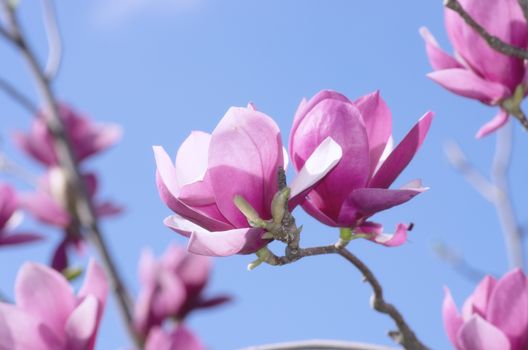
404 335
10 167
319 345
54 39
67 160
458 263
18 96
496 191
493 41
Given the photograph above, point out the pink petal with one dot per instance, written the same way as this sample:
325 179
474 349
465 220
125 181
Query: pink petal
324 158
378 123
207 216
452 319
194 270
344 124
368 201
44 208
21 330
503 19
480 298
108 208
45 293
402 154
244 156
306 106
478 334
312 205
375 230
497 122
8 204
95 286
465 83
81 324
106 136
19 238
508 307
438 58
166 171
191 159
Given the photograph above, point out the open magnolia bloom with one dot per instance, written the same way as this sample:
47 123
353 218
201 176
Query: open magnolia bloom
87 138
10 217
358 186
171 287
477 71
494 317
53 203
47 315
241 158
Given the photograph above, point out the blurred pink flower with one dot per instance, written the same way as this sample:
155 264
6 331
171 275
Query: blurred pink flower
53 204
8 219
241 157
47 315
87 137
358 186
494 317
171 287
477 71
178 339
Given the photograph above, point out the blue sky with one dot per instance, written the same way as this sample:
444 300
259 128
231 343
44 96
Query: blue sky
162 70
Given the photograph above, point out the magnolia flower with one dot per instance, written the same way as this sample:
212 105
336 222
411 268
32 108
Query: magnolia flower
357 187
53 203
494 317
48 315
240 159
86 137
10 217
477 71
178 339
171 287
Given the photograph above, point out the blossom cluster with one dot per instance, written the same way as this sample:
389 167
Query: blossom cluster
342 152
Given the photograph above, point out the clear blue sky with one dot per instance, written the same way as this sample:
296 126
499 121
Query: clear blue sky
164 69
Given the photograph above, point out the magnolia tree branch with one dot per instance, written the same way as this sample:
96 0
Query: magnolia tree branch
494 42
67 160
319 345
458 263
18 96
54 40
495 191
403 336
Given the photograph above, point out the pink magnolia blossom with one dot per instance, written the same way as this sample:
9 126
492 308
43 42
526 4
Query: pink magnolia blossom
171 287
47 314
240 158
358 186
87 137
494 317
178 339
52 203
477 71
9 216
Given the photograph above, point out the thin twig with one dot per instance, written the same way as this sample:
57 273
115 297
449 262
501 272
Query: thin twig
495 191
68 162
503 202
319 344
54 39
18 96
404 335
493 41
458 263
